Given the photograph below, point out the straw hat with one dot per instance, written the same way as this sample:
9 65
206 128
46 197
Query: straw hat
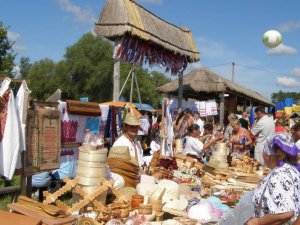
122 154
173 202
132 119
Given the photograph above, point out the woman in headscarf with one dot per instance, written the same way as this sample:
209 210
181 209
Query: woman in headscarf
277 198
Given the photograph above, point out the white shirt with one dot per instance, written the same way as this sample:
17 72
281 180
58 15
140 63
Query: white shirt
124 141
200 123
264 128
193 146
144 128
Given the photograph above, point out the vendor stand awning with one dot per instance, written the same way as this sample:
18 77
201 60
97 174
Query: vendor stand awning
122 105
146 107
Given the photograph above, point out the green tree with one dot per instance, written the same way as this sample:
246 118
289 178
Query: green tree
25 66
147 85
89 68
280 96
43 79
7 55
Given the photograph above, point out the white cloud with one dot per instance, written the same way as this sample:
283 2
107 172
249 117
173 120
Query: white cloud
19 48
155 2
290 26
13 36
296 71
282 50
81 15
287 82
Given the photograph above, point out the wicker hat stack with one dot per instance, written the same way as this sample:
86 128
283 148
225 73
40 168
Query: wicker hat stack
120 162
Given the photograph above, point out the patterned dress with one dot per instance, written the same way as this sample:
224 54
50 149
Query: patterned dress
282 193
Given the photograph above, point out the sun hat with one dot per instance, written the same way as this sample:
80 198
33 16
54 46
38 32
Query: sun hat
173 202
284 141
132 119
121 153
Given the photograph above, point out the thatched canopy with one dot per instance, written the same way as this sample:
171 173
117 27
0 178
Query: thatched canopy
202 84
125 16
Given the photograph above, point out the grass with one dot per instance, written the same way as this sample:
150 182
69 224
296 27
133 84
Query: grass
7 198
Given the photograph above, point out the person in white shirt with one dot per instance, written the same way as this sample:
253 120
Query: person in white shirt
199 122
193 146
262 129
131 125
144 128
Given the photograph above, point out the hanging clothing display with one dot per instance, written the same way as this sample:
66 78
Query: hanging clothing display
9 131
21 107
211 108
139 52
21 101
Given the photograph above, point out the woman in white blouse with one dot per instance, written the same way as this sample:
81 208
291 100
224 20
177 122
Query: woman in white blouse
277 198
193 146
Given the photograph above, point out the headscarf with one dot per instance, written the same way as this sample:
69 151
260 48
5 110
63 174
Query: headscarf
285 142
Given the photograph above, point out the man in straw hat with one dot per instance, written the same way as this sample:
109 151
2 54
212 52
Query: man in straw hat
131 125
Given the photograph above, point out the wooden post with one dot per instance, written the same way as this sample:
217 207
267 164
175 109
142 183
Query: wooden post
180 91
138 91
222 109
232 72
132 82
116 80
23 175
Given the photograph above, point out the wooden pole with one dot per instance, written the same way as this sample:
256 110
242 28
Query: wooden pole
232 72
180 91
116 81
129 74
138 91
132 82
222 110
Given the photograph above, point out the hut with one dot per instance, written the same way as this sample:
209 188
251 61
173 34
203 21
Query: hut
203 84
163 43
120 17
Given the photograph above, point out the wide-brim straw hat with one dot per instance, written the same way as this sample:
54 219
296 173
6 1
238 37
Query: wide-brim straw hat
172 201
132 119
122 153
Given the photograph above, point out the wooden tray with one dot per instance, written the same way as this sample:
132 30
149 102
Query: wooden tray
17 219
49 220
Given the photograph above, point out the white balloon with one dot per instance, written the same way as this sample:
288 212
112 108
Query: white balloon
272 38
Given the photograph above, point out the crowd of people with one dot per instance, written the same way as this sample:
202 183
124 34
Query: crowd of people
277 199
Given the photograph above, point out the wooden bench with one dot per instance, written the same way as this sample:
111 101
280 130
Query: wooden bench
14 190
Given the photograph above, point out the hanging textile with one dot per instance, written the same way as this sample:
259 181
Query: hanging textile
22 107
9 131
21 101
139 52
211 108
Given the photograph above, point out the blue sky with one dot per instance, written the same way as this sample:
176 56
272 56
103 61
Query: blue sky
224 32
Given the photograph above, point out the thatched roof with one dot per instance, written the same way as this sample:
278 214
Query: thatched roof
202 82
119 17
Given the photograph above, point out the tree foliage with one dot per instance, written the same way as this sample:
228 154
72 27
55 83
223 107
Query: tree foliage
89 66
87 71
280 96
25 66
42 79
7 55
